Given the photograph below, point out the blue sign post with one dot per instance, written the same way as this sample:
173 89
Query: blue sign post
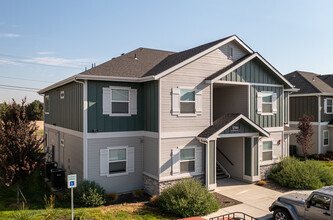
71 184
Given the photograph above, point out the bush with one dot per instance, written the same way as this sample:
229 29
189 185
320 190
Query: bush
296 174
154 200
138 193
188 198
112 197
87 193
261 183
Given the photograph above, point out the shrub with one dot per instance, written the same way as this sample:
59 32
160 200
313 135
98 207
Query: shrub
112 197
87 193
23 214
154 200
188 198
261 183
137 193
296 174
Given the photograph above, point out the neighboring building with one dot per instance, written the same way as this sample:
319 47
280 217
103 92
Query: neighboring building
315 98
149 117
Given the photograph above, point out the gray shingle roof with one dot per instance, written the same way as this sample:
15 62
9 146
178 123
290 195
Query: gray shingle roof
149 62
308 83
328 79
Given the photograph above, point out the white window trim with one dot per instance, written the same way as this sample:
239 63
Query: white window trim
262 103
46 113
329 113
62 94
180 101
117 148
328 138
129 101
195 158
262 151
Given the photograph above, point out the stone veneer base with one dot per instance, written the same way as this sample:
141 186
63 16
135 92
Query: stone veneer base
265 170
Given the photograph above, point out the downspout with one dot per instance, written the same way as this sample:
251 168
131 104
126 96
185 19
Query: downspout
75 80
319 126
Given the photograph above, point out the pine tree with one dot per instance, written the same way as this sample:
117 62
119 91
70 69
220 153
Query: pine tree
304 137
20 153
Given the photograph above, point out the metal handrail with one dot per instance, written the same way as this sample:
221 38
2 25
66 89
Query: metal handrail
235 216
218 150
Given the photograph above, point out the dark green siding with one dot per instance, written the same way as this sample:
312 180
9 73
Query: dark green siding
255 72
150 106
303 105
67 112
275 120
248 156
325 117
244 128
286 107
147 108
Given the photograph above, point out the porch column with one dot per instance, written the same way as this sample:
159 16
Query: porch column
211 164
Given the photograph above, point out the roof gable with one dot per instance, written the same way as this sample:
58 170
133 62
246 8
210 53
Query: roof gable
328 79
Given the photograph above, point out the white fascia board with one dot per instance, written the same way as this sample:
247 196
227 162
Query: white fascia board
312 94
55 85
191 59
291 90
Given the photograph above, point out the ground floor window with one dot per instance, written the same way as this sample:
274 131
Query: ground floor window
117 160
267 150
325 138
187 160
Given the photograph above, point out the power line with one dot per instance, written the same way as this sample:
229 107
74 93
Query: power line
33 80
20 87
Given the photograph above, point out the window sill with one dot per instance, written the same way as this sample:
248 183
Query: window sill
187 115
119 115
117 174
267 114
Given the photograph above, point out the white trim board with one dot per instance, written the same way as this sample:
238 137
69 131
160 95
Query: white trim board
181 176
65 130
180 134
121 134
238 135
247 83
150 175
313 123
311 94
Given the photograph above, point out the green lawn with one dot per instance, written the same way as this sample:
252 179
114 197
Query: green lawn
35 189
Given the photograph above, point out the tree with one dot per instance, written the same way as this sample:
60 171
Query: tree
304 136
35 111
20 152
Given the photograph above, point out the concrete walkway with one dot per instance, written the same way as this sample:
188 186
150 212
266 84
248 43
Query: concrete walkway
255 199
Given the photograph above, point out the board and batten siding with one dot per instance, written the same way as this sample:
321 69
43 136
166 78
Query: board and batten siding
244 127
121 183
325 117
67 112
166 152
193 75
275 120
150 106
253 71
303 105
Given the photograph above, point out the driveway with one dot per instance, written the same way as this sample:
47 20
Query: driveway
255 199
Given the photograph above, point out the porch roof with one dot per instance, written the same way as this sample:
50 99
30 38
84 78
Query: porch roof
226 121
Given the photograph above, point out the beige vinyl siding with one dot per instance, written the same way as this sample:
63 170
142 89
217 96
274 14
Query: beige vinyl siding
166 151
121 183
193 75
150 155
234 150
314 142
276 146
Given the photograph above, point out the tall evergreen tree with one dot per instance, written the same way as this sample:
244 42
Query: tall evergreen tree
20 152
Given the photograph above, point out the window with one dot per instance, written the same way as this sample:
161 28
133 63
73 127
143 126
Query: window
47 104
187 101
267 150
187 160
117 160
319 201
120 101
267 102
62 94
329 106
325 136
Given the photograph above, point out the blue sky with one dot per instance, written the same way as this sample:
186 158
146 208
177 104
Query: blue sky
47 41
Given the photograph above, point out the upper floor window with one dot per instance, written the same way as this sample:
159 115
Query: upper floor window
266 103
187 101
267 150
47 104
325 137
328 106
119 101
187 160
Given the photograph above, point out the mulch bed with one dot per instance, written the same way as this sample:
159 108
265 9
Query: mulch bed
129 198
270 184
225 201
